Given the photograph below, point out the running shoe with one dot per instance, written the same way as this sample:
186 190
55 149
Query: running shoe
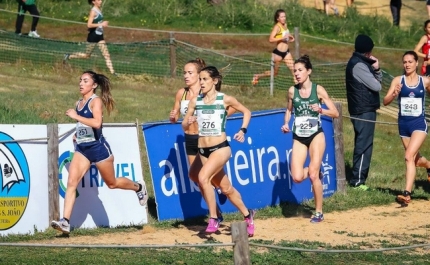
220 218
362 187
66 58
255 80
62 226
336 12
404 198
250 227
33 34
142 194
317 217
213 225
219 215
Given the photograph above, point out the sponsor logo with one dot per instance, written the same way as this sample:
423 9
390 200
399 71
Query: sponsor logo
63 168
15 182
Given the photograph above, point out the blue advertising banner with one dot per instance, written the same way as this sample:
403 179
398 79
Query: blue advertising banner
258 168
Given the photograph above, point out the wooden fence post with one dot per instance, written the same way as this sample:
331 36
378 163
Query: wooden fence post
172 55
296 43
53 184
241 247
338 149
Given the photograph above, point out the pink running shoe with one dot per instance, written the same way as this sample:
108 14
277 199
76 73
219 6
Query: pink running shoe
250 223
213 225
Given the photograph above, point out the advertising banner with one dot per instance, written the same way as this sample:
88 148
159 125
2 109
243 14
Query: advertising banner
96 204
258 168
24 179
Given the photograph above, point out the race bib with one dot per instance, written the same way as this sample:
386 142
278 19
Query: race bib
411 106
305 126
84 133
209 123
99 30
184 107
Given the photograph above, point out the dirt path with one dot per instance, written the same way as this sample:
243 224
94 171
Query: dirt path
371 225
411 9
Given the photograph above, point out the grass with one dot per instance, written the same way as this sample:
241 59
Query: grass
149 100
204 255
42 94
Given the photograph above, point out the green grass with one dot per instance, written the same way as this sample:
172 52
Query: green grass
41 94
150 99
203 256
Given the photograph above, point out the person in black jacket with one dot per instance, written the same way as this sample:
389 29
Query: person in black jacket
363 82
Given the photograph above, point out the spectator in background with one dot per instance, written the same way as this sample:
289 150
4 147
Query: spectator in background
410 91
428 7
424 46
395 6
363 82
281 36
23 7
308 135
332 5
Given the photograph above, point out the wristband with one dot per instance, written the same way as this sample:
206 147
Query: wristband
320 110
244 130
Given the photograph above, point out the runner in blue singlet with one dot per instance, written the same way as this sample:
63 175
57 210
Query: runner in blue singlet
92 147
409 90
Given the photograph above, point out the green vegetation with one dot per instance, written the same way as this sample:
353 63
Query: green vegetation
248 16
148 99
14 255
41 95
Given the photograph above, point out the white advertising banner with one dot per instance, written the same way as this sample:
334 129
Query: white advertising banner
24 179
96 204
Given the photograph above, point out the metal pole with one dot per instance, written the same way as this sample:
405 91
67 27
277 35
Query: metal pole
272 75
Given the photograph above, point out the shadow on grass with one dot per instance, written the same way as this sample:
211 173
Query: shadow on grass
196 224
62 236
293 210
398 192
424 184
152 208
348 172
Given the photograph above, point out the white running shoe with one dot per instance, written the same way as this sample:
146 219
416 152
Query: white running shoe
33 34
143 194
62 226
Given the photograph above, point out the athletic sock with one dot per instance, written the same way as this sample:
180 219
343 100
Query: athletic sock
140 187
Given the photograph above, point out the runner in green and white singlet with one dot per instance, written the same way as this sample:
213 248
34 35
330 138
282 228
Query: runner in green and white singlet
212 117
307 121
308 137
214 150
191 78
